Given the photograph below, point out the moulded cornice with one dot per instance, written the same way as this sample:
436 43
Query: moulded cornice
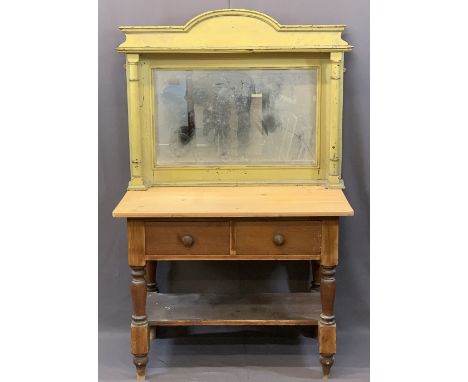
233 30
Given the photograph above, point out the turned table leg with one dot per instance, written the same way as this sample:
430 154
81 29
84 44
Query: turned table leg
315 282
327 325
315 285
151 286
151 283
139 327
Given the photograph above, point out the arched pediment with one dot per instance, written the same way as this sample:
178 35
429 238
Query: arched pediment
233 30
258 16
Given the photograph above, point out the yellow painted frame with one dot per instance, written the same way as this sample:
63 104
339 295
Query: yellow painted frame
234 39
167 175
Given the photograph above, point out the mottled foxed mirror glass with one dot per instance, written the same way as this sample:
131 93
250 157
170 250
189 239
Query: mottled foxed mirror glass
235 117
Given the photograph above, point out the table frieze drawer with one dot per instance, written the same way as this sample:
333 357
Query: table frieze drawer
278 238
187 238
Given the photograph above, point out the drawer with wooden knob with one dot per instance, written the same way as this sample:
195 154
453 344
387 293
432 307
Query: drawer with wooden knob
278 237
192 238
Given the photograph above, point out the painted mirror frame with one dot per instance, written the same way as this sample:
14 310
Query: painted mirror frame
233 40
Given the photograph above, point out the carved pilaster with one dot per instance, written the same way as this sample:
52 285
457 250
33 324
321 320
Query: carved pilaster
133 95
334 164
139 326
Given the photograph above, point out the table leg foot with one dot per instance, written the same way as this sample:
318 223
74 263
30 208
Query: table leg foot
140 364
327 361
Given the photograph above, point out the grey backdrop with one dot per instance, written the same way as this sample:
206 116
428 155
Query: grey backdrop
208 348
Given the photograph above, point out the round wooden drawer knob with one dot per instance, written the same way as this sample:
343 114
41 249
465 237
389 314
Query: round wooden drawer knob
187 240
278 239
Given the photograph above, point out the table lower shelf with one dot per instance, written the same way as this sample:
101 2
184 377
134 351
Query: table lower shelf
176 309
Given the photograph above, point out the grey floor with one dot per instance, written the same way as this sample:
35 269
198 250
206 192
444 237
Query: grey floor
241 354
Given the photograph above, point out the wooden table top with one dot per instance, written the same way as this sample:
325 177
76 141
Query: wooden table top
242 201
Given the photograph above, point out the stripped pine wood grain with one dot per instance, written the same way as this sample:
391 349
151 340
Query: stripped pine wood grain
246 201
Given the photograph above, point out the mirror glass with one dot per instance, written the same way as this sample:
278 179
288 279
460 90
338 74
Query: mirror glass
235 117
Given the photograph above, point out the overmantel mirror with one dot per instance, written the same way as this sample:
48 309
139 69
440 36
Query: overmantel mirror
233 97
